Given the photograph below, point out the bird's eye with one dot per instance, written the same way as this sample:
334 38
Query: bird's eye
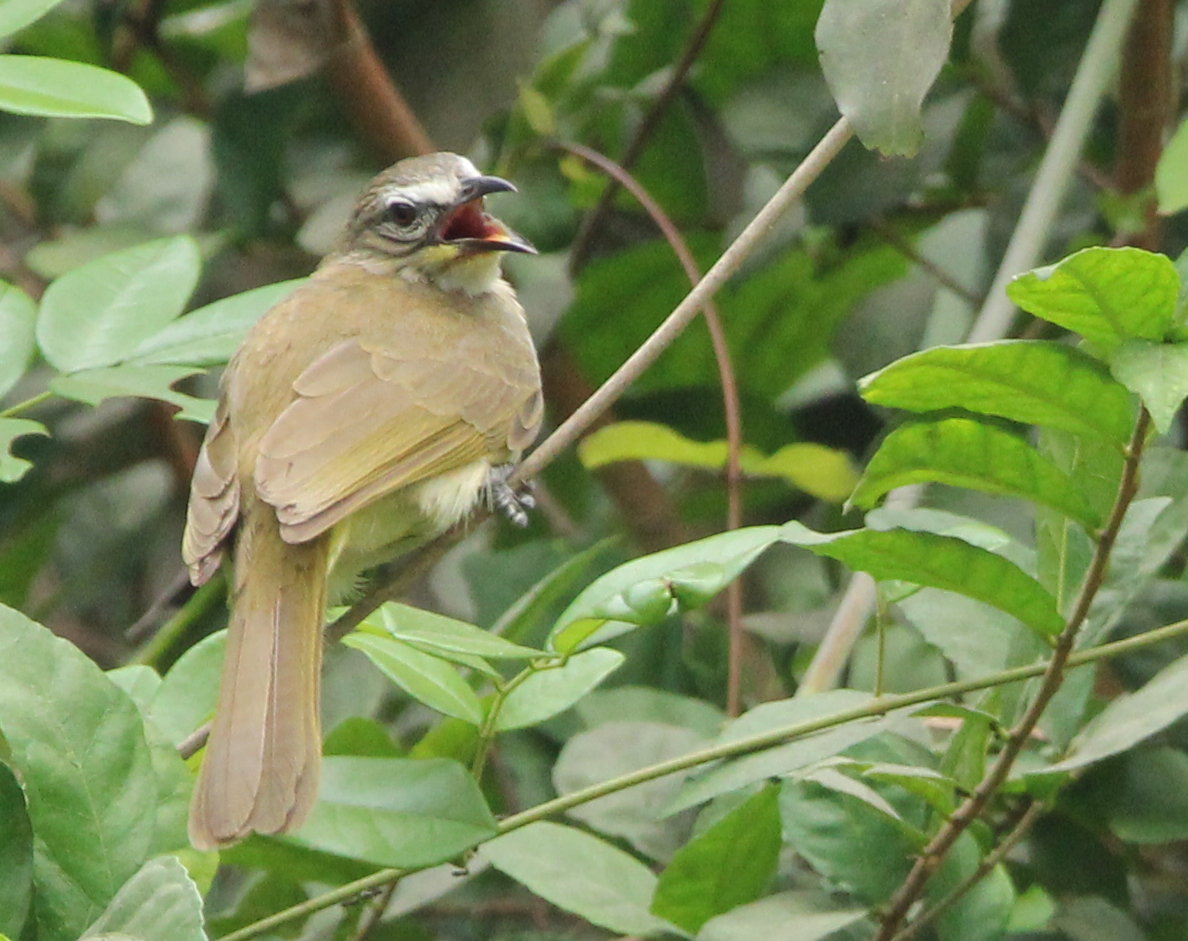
401 212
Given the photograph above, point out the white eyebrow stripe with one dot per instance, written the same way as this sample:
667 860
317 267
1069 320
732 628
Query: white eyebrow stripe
431 192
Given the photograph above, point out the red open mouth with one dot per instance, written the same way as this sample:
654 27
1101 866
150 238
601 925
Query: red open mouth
469 221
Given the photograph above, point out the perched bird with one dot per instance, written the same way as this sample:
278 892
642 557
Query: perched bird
363 415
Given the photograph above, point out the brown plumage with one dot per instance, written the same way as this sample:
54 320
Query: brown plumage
362 415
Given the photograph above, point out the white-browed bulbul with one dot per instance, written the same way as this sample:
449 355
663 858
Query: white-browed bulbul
363 415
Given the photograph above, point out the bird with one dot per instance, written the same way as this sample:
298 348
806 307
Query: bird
364 414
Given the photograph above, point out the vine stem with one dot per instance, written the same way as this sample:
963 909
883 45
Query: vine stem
734 749
26 404
1096 68
730 404
722 270
1053 677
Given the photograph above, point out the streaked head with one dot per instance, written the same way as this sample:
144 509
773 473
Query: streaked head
429 211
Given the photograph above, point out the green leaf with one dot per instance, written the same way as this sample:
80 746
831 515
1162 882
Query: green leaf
1132 718
1107 295
880 57
13 468
55 88
814 468
1145 797
397 811
648 589
938 562
16 855
550 690
579 873
17 14
426 678
1029 381
1171 173
1157 373
983 912
961 452
79 748
18 319
440 635
159 903
93 386
728 865
636 813
793 755
211 335
785 916
98 314
644 704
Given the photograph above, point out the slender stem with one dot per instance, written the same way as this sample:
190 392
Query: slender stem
733 749
26 404
1021 828
973 806
581 244
488 729
730 403
994 320
172 630
723 269
1094 74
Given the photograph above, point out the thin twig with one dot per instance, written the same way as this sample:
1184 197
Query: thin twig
730 403
722 270
647 125
1021 828
733 749
893 237
969 811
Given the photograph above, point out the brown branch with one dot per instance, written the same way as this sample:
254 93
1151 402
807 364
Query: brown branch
375 105
580 250
1145 108
733 413
973 806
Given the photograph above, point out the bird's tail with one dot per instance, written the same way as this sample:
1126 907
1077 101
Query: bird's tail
261 767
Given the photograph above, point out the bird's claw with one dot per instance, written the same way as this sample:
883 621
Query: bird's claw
513 502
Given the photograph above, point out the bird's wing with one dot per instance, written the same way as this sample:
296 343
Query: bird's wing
214 499
369 421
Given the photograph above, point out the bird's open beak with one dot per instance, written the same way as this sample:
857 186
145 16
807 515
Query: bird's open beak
469 227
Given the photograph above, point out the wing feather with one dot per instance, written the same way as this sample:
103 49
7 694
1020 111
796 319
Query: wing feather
214 499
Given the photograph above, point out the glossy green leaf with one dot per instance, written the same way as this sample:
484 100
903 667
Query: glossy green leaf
426 678
17 14
648 589
159 903
983 912
98 314
148 382
78 745
813 468
1107 295
212 334
440 635
730 864
13 468
961 452
16 855
1132 718
549 691
938 562
1157 373
18 319
784 916
579 873
1030 381
880 57
1171 173
792 755
397 811
57 88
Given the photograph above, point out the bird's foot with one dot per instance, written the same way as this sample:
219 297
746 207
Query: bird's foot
513 502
